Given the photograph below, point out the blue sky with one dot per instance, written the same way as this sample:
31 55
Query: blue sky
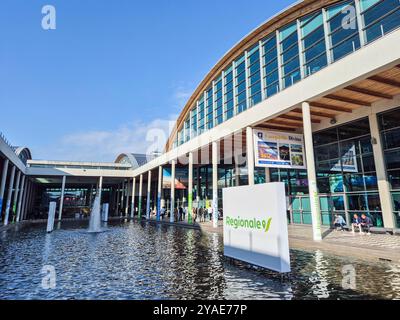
112 70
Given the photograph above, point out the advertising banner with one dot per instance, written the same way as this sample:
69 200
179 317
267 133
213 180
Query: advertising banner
348 161
255 225
278 149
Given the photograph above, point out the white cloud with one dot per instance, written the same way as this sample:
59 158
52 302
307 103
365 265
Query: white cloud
105 145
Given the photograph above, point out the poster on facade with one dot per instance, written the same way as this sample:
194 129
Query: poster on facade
348 161
255 225
278 149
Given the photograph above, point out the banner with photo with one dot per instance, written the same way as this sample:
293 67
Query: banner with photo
348 161
279 149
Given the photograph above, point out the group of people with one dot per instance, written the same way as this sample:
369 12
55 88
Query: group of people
203 214
363 223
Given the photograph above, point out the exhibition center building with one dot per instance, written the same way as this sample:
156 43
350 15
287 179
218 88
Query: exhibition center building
310 98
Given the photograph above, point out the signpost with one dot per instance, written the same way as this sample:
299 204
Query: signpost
255 225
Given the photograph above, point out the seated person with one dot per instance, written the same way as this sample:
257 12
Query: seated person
356 223
339 222
366 223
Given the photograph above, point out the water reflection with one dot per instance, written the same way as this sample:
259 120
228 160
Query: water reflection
142 261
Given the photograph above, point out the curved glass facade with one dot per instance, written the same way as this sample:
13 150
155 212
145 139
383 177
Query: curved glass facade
288 55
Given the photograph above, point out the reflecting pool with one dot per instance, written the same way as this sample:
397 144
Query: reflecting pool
141 261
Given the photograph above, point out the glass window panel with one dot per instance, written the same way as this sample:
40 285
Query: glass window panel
314 37
290 54
334 10
392 159
314 51
365 4
383 26
394 179
287 31
316 65
291 66
346 47
291 79
269 44
272 89
272 65
311 23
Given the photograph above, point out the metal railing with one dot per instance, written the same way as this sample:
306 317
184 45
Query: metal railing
5 140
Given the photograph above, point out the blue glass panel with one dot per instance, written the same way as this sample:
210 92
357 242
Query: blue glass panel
316 65
286 31
346 47
314 51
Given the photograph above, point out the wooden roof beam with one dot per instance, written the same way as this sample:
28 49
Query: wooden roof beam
315 113
294 118
330 107
285 123
386 81
369 92
348 100
274 127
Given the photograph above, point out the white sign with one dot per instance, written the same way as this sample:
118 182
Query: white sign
255 225
278 149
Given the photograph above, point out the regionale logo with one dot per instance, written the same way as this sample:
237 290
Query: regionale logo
239 223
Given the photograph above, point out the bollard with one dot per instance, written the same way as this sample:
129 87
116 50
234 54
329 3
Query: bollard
104 213
50 219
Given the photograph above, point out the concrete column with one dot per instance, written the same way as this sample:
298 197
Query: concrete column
267 176
237 171
117 201
26 193
148 195
215 183
126 198
159 191
9 194
26 199
140 196
190 188
60 210
16 192
311 172
133 198
250 155
122 198
3 184
383 181
21 193
172 215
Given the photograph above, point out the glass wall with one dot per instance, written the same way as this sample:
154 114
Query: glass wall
343 29
313 42
346 170
201 115
270 66
289 55
297 50
228 93
390 133
254 76
218 101
380 17
240 85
